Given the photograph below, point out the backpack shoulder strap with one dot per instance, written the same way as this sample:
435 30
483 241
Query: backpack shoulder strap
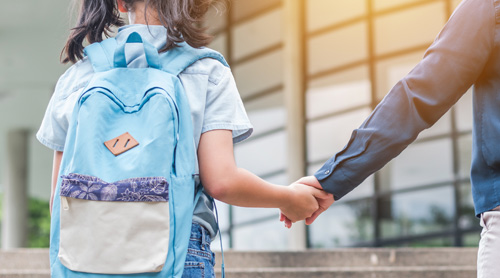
179 58
174 62
100 54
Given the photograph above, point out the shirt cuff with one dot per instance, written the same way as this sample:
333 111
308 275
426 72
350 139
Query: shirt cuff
333 180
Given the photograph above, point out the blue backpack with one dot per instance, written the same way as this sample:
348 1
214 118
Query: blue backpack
126 193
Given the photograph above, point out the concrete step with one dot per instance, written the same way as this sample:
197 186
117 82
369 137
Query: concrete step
310 272
352 257
34 259
339 263
354 272
38 258
26 273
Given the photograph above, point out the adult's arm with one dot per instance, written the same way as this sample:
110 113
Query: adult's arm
450 66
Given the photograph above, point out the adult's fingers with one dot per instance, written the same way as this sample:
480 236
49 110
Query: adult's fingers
310 220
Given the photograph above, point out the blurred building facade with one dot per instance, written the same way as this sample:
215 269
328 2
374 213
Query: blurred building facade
309 72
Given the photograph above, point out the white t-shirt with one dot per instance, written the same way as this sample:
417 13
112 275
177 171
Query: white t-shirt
210 88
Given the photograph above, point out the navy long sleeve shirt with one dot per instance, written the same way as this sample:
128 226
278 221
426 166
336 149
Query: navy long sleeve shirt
466 52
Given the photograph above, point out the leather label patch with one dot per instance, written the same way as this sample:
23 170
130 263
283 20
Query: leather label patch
121 144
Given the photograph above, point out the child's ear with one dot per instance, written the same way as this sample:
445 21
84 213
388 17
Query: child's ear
121 6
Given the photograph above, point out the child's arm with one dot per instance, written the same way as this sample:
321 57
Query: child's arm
55 173
226 182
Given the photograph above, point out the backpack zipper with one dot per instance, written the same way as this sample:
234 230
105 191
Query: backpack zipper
64 201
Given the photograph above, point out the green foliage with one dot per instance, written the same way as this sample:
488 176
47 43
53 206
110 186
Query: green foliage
38 224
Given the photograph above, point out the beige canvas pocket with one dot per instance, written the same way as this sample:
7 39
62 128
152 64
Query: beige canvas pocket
114 228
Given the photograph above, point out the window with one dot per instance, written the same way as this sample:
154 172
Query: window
355 51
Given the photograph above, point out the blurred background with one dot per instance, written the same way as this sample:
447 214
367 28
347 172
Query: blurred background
309 72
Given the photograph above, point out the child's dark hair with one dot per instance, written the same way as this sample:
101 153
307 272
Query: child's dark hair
182 18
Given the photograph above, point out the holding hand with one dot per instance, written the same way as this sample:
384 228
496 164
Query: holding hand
323 200
302 201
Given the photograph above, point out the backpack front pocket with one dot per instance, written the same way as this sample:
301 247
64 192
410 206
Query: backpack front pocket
114 228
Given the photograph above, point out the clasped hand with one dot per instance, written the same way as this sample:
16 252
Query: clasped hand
308 201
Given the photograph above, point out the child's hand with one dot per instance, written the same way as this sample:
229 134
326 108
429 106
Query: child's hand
303 202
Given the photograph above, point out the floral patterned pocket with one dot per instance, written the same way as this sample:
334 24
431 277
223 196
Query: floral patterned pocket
114 228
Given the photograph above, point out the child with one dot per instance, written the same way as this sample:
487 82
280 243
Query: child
218 115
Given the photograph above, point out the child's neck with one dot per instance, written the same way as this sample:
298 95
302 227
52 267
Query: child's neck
137 16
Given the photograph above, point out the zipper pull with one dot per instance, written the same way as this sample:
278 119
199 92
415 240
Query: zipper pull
64 203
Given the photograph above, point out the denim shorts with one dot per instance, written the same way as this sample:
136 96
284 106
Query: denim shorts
200 259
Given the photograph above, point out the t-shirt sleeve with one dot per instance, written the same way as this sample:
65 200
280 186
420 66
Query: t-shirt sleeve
224 108
54 126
